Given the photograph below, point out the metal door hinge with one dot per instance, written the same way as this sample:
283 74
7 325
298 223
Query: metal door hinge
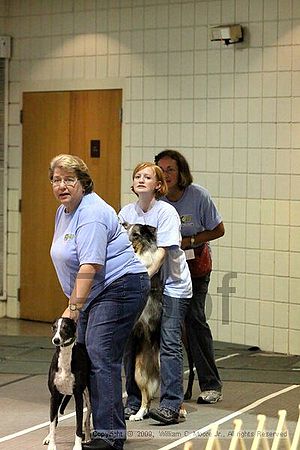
121 115
21 115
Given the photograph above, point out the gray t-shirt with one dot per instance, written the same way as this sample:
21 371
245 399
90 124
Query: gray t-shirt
197 210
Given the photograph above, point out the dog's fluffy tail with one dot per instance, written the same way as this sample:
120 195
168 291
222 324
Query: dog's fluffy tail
64 403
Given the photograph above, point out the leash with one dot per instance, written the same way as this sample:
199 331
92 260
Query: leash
68 344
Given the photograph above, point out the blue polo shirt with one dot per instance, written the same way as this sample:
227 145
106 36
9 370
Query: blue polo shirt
91 234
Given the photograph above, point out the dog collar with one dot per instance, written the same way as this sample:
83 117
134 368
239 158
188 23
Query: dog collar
68 344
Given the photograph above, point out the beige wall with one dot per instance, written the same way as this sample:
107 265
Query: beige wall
234 112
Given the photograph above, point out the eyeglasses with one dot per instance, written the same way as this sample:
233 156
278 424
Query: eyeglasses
169 170
69 181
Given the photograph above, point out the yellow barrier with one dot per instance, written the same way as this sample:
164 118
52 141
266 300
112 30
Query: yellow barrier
281 438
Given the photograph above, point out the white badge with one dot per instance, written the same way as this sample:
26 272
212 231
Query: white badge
189 254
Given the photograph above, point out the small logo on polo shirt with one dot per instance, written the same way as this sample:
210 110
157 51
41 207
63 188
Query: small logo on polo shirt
69 236
187 218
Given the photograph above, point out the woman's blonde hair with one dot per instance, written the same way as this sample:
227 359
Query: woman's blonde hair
72 163
163 189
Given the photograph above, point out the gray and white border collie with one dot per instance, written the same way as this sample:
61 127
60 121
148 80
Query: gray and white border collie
68 375
146 332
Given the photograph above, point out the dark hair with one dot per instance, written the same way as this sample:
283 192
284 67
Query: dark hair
185 177
72 163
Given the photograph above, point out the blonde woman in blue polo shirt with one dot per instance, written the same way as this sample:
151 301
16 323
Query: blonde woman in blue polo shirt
105 283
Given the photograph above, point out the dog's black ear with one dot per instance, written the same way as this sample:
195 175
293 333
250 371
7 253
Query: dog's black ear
149 231
74 326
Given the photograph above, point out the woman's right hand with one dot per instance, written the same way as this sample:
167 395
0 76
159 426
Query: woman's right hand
71 314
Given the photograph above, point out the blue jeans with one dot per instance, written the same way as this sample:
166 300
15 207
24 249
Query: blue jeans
105 327
171 353
171 358
200 337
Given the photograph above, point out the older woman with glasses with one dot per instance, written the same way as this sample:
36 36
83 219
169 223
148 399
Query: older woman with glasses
107 287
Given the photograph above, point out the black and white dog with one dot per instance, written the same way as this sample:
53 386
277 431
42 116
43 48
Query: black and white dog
68 375
146 332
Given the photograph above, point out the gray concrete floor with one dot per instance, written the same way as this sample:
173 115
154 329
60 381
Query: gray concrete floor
254 383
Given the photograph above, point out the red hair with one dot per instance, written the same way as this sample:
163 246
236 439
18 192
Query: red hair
159 175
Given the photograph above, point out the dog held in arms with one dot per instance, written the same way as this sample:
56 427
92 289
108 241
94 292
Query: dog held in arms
68 375
146 331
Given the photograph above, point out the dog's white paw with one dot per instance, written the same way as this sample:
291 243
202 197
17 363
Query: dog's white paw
140 415
78 442
135 417
182 413
51 446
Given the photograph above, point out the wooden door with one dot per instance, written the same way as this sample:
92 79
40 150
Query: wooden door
53 123
95 116
46 120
